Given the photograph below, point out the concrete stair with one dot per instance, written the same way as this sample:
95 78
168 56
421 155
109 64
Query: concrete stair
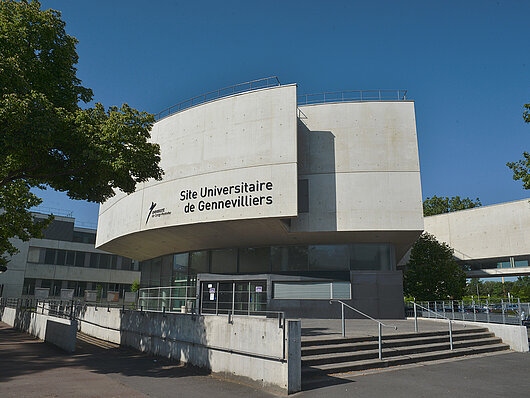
325 356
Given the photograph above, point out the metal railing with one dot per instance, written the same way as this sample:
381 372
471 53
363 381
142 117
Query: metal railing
441 316
353 95
167 299
379 324
219 93
510 312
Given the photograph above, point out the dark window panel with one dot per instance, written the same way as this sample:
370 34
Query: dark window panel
70 258
80 259
61 257
49 257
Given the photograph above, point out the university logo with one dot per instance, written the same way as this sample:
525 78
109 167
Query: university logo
153 205
156 213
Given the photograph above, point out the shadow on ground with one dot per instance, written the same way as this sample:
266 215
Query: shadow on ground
20 356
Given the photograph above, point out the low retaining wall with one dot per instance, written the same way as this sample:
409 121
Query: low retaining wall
513 335
256 349
58 331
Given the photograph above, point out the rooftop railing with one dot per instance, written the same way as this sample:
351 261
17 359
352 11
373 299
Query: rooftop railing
219 93
273 81
353 95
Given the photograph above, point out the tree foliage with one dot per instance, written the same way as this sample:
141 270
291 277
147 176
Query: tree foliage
46 138
135 286
432 273
517 289
441 205
521 168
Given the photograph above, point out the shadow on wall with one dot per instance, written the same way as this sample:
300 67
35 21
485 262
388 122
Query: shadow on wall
180 337
316 165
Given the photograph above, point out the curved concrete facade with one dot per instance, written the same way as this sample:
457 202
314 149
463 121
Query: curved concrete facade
290 205
357 163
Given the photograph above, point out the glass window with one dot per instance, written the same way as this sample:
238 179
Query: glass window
255 260
329 258
46 283
224 261
70 258
126 263
166 270
199 262
180 269
84 237
114 262
94 260
104 261
56 288
145 273
521 263
80 259
80 289
49 257
156 266
371 256
289 258
61 256
29 286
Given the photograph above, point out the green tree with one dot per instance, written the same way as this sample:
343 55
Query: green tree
46 138
135 286
432 273
521 168
440 205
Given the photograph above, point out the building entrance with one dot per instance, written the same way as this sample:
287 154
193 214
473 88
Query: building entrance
233 297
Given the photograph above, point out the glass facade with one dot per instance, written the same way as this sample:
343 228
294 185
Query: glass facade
506 262
311 260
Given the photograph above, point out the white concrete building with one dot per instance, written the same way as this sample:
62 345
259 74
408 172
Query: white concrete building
277 205
489 241
65 259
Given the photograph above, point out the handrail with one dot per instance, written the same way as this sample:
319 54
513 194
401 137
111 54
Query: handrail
379 324
449 320
363 314
427 309
219 93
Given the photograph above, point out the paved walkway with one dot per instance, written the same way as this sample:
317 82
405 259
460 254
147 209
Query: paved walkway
318 328
31 368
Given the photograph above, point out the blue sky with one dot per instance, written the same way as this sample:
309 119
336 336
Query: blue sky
465 63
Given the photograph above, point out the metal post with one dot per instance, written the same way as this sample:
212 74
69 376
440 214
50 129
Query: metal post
233 298
201 295
443 304
463 311
343 320
502 308
453 308
450 335
248 306
415 318
380 341
217 300
520 311
474 311
488 310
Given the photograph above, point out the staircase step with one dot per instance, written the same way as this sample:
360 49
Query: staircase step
402 342
321 359
343 367
312 341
